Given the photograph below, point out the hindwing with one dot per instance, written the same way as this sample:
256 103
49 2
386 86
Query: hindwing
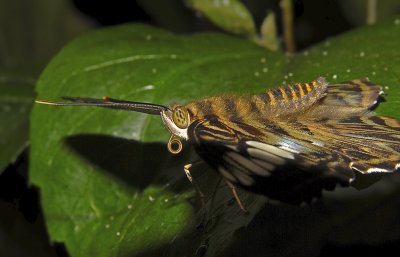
346 99
354 93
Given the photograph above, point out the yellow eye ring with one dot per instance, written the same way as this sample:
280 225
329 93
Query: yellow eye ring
180 116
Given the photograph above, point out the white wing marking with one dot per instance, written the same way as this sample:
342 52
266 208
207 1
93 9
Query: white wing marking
246 163
263 159
377 170
317 143
267 167
271 149
287 148
226 174
244 179
266 156
240 168
371 170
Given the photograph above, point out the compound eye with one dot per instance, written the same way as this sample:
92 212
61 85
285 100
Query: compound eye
180 117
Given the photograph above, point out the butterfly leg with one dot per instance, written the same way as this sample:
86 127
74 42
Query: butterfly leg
236 196
186 168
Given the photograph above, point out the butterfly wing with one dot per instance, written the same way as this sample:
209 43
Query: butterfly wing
372 143
266 161
293 158
354 93
342 121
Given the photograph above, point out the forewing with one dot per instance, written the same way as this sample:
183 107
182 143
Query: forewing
267 160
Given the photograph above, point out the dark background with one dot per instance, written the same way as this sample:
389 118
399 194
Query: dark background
314 20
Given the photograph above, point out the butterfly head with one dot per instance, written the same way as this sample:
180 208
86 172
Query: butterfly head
177 122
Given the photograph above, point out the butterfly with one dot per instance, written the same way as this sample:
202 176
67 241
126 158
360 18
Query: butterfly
288 143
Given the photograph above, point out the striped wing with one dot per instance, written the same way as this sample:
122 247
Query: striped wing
346 99
342 122
354 93
297 161
273 167
372 143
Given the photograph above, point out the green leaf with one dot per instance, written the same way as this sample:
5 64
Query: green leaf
230 15
268 33
33 32
105 176
356 11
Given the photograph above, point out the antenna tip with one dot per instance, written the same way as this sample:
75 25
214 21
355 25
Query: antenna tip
45 102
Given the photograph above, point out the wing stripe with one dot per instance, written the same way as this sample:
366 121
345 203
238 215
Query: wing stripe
289 149
263 155
242 176
267 167
227 174
271 149
245 163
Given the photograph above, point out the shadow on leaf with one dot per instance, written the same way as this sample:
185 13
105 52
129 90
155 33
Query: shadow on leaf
134 163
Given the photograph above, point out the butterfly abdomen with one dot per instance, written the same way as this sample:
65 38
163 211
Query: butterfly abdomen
275 102
292 98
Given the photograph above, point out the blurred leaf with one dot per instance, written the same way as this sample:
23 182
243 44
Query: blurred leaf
128 196
269 37
230 15
356 10
31 32
171 15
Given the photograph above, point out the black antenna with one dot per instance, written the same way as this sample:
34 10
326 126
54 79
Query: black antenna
108 102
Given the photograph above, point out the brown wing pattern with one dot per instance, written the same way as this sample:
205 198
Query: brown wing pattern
372 143
346 99
343 122
356 93
292 158
269 166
